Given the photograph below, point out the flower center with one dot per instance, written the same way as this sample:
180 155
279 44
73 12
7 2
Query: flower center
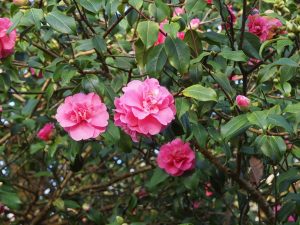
151 100
81 112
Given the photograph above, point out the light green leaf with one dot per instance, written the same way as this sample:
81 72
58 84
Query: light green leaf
236 126
238 56
148 32
91 5
61 23
200 93
182 106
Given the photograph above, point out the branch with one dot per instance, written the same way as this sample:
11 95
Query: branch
255 195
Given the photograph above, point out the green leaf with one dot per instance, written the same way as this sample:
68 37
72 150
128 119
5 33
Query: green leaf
91 5
280 121
192 38
148 32
61 23
251 45
29 107
91 83
293 108
200 57
182 106
200 93
136 3
9 199
34 148
112 134
178 54
158 177
238 56
193 7
200 134
285 62
223 81
159 10
271 146
34 16
99 43
156 59
16 20
236 126
266 74
258 118
140 53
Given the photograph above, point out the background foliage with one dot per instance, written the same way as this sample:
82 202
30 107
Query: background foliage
247 160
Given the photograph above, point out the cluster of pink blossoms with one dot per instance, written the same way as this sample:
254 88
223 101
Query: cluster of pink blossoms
7 40
264 27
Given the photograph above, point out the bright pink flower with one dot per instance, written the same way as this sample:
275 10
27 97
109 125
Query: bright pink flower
209 2
180 35
178 11
7 41
194 24
176 157
234 77
145 108
242 101
83 116
46 132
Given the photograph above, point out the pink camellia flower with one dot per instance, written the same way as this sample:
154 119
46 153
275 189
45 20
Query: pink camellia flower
264 27
7 41
46 132
20 2
194 24
208 191
83 116
176 157
145 108
178 11
253 61
196 204
180 35
1 109
209 2
242 101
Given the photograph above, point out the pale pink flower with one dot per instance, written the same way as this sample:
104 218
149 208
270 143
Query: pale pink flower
83 116
46 132
178 11
194 24
20 2
242 101
1 109
145 108
176 157
7 41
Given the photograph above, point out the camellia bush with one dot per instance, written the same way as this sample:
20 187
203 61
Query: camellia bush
149 112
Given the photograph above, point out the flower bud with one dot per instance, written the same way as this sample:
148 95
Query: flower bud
20 2
242 102
194 23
